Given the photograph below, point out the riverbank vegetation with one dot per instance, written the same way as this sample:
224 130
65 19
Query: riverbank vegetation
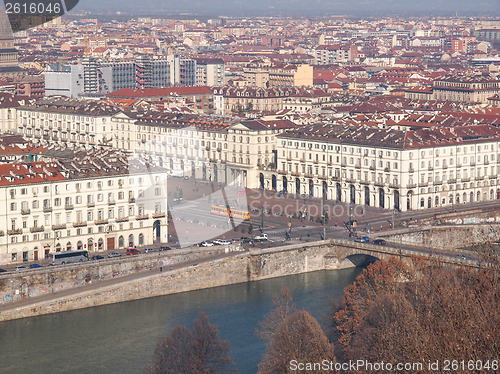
421 312
400 312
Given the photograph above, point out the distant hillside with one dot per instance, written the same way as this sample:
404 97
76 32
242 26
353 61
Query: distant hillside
296 7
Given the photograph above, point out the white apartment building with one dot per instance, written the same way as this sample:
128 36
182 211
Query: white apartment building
200 146
67 121
389 168
97 202
367 165
210 72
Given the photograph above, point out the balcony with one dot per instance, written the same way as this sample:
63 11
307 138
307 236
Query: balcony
431 168
69 207
158 214
15 232
387 170
91 204
452 180
142 217
131 200
411 170
372 167
80 224
122 219
25 212
101 222
58 227
47 209
37 229
111 202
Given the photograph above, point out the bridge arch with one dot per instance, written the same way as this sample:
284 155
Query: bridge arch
358 260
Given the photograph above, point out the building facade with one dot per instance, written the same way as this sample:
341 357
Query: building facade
389 168
97 202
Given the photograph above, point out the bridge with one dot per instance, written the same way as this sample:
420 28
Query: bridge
345 253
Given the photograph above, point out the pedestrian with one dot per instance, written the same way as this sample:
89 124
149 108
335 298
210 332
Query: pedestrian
161 269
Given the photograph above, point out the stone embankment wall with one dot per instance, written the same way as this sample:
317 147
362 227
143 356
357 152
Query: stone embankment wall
52 279
447 237
237 268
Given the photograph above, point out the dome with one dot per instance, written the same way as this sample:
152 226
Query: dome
5 29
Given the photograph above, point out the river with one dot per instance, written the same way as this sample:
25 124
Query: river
120 338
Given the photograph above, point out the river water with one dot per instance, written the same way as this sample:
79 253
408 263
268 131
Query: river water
120 338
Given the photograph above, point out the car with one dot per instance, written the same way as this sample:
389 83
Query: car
132 251
178 199
206 244
359 240
3 271
165 248
35 266
149 250
282 193
379 241
114 254
221 242
236 240
366 239
21 267
462 257
97 257
261 237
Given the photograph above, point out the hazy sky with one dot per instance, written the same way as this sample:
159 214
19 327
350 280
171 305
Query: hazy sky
297 7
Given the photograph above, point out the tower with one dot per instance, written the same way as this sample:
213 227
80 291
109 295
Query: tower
9 65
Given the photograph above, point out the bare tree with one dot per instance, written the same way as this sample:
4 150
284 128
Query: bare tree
435 313
196 351
283 306
298 338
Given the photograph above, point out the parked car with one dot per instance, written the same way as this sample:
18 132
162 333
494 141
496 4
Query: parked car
379 241
221 242
462 257
165 248
133 251
149 250
206 244
35 266
114 254
261 237
21 267
97 257
3 271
